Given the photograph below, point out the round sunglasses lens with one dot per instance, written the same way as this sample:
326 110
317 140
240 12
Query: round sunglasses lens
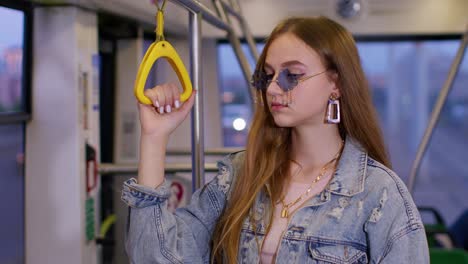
286 81
259 80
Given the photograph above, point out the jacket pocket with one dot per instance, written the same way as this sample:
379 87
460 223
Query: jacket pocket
337 254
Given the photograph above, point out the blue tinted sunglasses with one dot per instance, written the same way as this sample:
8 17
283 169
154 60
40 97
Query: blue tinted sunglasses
285 80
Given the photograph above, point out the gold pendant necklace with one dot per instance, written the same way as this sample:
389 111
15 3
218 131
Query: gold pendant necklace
286 207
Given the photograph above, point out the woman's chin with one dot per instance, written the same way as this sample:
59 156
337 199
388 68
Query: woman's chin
283 122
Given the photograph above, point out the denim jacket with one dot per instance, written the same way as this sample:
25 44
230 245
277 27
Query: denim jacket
364 215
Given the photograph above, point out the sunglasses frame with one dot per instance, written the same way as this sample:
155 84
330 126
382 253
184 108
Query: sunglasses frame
260 82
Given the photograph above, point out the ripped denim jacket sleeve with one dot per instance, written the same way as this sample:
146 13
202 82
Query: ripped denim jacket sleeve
155 235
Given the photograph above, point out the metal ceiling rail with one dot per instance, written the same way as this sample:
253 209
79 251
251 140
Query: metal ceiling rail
208 15
442 98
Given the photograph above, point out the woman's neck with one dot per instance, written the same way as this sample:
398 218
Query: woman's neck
314 146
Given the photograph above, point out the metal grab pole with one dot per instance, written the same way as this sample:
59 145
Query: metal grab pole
242 60
235 11
250 40
198 159
236 45
230 9
436 112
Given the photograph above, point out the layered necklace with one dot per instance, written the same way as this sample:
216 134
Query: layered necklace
286 207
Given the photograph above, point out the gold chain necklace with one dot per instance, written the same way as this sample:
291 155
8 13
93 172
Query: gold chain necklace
286 207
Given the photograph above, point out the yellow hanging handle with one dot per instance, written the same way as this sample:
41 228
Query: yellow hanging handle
161 48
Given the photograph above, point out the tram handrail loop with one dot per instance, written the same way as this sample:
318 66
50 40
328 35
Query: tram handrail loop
161 48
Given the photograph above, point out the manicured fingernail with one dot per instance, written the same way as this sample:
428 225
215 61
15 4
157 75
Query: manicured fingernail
161 110
168 108
177 104
156 103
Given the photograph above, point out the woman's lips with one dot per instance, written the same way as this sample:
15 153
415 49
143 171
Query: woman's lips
277 106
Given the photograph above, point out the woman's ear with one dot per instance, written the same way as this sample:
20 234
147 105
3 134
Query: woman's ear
334 80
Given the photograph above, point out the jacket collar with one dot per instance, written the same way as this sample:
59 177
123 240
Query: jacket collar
349 176
348 179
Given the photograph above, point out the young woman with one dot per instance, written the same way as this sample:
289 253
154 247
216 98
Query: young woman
314 184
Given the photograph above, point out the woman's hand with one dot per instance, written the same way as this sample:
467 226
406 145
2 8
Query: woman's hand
166 113
157 122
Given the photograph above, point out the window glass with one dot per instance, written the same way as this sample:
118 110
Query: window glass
11 59
12 193
236 103
406 78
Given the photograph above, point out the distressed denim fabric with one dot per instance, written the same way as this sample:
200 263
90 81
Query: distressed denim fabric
364 215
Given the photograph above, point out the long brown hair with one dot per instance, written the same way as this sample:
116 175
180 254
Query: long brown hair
268 152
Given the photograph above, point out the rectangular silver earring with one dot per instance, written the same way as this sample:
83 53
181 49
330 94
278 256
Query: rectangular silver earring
333 111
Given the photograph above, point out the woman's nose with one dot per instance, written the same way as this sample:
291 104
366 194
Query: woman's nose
273 88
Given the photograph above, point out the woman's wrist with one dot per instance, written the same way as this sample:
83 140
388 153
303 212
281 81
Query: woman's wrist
152 160
154 140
